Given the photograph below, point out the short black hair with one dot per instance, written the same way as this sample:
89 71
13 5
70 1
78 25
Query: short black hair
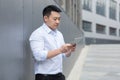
48 9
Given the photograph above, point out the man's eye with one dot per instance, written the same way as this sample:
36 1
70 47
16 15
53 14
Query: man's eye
55 19
58 18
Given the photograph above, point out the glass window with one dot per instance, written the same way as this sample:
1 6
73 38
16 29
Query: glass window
100 7
112 31
100 28
87 26
87 5
112 9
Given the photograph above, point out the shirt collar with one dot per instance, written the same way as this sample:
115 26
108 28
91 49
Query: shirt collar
48 30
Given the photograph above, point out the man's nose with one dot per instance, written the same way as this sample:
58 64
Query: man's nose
57 21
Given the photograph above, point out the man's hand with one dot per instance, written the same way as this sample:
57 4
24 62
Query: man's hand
67 48
64 48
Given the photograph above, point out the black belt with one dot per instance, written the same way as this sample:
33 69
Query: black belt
58 74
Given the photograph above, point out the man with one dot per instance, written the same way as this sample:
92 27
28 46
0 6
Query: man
48 46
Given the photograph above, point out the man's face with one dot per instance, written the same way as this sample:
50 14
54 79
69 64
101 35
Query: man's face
53 20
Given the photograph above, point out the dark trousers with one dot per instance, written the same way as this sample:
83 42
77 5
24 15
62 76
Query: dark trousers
58 76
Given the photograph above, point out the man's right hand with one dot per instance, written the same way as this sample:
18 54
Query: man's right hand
66 47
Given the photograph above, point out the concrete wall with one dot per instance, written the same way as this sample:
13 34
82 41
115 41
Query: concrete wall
11 40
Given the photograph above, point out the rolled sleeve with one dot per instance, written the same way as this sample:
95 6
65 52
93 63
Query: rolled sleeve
37 47
38 50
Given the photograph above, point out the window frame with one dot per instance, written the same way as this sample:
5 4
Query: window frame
113 10
101 10
102 31
112 31
87 29
87 5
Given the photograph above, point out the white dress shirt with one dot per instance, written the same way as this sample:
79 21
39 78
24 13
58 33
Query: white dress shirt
43 40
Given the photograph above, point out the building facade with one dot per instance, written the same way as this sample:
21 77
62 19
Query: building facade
73 9
101 21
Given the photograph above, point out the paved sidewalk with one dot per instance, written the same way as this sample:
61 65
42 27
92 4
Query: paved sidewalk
102 63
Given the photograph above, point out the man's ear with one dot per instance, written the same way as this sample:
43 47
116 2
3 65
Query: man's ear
45 18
